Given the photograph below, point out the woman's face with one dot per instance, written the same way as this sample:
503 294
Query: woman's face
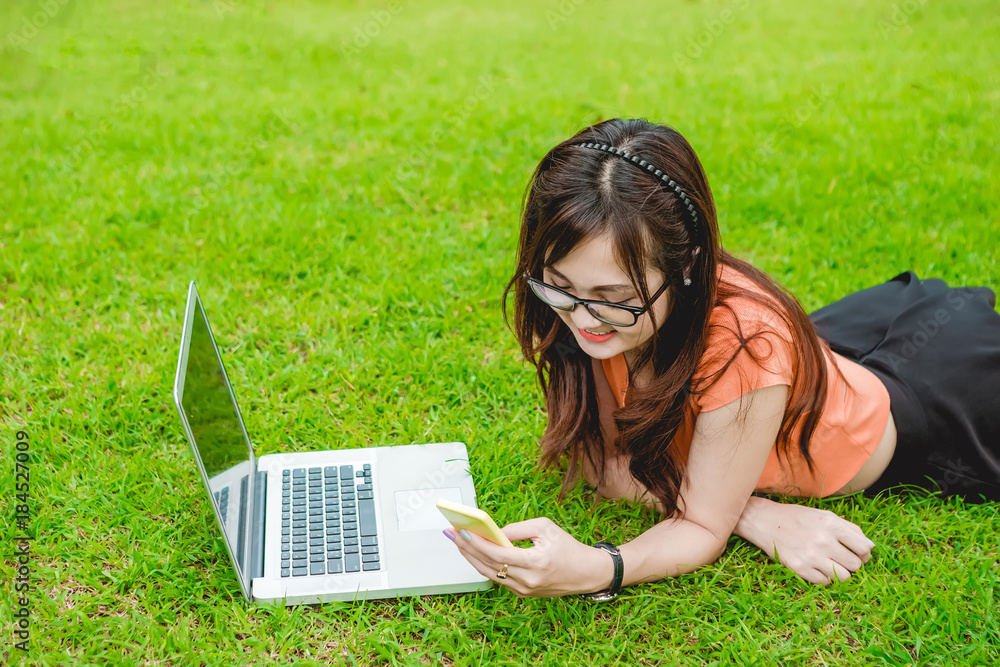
590 271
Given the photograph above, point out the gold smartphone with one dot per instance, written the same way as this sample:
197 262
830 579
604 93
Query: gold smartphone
473 520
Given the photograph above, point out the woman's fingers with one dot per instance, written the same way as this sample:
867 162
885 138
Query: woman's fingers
532 529
856 541
847 559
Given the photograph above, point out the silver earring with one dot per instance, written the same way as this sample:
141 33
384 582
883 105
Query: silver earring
687 282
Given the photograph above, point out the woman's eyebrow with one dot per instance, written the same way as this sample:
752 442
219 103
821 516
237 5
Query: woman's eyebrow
622 287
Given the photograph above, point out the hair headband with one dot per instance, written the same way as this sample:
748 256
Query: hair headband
639 162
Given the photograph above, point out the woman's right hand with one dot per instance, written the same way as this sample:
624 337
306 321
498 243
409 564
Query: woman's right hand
815 544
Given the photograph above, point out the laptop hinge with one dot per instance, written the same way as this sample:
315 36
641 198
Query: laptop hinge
257 530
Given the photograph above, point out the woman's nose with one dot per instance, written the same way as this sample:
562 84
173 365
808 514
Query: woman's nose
583 318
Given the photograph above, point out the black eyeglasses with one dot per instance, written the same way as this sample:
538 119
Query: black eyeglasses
614 314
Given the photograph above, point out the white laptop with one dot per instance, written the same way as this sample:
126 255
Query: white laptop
304 528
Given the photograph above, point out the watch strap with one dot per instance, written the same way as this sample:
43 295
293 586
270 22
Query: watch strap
612 591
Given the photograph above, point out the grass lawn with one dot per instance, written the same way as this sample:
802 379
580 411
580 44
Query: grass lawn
343 180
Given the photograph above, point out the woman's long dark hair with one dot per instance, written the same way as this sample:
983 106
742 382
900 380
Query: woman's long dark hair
579 193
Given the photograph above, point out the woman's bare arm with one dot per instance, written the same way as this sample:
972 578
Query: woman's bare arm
728 452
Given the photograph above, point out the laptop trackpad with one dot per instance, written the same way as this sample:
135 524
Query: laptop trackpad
416 508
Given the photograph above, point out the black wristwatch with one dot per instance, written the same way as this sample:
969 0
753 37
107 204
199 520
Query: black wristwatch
616 581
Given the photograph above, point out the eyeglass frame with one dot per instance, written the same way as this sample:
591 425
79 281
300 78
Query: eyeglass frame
636 311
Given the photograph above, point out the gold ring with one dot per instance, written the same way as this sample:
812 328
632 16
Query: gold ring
502 574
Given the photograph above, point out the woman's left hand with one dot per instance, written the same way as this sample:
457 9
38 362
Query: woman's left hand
555 564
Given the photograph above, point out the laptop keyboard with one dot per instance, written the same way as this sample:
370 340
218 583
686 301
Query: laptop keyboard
328 521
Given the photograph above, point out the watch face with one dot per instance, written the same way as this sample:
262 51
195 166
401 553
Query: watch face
600 596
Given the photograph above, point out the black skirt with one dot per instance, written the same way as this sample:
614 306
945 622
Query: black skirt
937 350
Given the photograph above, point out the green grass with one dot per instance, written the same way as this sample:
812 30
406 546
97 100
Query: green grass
350 215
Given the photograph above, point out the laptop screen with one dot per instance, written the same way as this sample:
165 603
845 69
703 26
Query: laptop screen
216 431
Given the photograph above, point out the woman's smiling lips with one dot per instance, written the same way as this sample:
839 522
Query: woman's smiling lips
597 338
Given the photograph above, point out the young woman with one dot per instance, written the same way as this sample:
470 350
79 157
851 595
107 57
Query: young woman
680 376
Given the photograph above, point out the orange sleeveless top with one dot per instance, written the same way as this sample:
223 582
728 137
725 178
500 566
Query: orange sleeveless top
853 419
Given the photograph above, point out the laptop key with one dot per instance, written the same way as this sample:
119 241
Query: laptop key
369 541
285 572
351 541
365 495
352 563
349 510
364 487
369 558
350 533
299 472
366 510
369 550
350 549
371 566
317 568
361 473
317 558
335 566
300 571
316 550
346 472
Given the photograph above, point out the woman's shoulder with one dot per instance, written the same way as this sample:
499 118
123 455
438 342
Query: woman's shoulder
744 309
748 344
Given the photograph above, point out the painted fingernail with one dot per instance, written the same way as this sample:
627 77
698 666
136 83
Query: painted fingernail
464 533
450 535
